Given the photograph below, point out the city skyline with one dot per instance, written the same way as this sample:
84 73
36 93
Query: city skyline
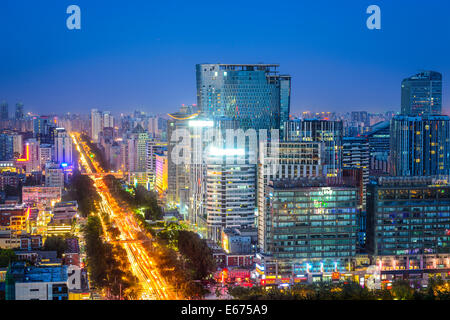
145 57
224 151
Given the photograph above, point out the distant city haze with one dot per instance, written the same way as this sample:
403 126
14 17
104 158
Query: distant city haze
143 56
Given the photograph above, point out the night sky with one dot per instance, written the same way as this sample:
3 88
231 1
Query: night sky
141 54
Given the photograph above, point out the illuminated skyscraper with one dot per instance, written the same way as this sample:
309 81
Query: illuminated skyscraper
409 216
312 227
420 145
254 94
231 192
328 132
292 160
422 94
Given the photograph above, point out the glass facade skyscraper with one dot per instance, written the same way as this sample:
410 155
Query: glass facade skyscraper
420 145
422 94
254 94
409 216
330 133
310 225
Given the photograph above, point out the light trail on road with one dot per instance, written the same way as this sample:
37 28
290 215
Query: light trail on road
142 265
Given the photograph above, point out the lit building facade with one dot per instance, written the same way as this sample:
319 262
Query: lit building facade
409 216
328 132
291 160
63 147
422 94
161 173
312 226
254 94
231 193
420 146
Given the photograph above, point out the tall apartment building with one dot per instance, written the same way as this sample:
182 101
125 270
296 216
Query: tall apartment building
96 124
45 154
63 147
99 121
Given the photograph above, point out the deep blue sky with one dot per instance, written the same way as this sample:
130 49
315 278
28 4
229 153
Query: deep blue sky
141 54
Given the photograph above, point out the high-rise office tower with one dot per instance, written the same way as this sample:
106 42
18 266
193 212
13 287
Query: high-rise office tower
19 111
254 94
312 227
197 166
328 132
409 217
355 155
63 147
291 161
420 145
231 192
4 111
422 94
96 124
99 121
379 147
177 172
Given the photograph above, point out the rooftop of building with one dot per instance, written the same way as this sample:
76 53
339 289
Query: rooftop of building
435 117
408 181
313 182
23 273
64 204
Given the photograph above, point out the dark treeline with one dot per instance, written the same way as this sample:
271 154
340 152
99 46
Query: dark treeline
98 153
137 198
82 190
438 289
